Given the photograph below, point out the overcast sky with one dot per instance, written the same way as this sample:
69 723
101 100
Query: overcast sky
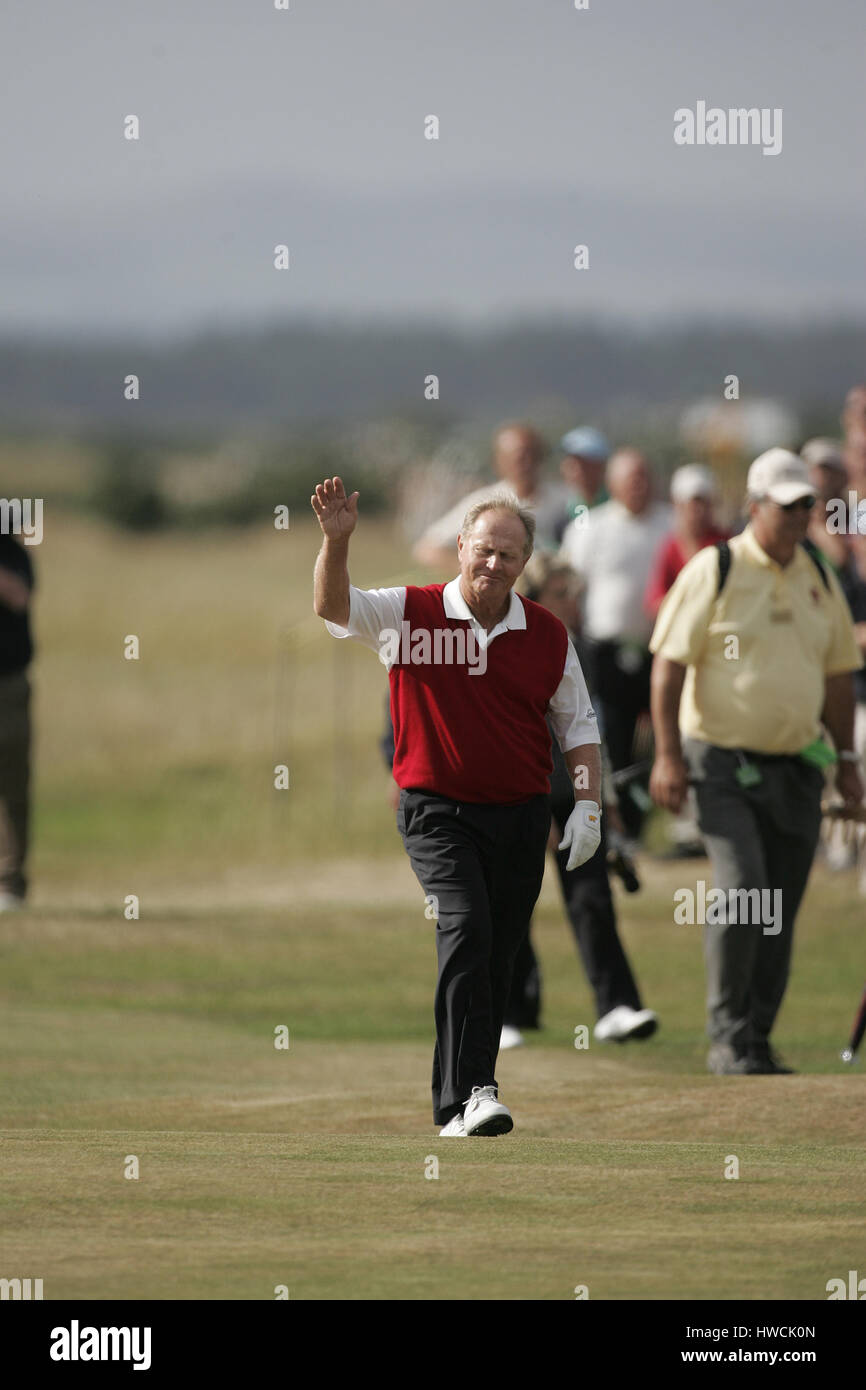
261 126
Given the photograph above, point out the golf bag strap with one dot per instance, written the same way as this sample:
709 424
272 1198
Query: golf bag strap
814 554
724 564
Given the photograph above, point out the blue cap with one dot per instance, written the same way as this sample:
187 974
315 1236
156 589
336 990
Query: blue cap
587 443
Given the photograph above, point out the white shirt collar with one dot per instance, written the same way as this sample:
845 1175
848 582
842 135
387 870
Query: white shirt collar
456 607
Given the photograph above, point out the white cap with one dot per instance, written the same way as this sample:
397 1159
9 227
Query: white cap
779 475
823 453
692 480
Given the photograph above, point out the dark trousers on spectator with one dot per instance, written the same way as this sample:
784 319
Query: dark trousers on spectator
622 694
14 781
589 904
483 866
761 837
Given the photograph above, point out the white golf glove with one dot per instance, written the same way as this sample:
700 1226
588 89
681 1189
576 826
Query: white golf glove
582 834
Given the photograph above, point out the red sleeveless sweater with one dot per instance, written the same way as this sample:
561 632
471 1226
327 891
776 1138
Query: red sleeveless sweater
476 737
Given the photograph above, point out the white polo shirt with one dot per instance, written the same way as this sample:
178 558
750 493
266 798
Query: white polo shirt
614 550
374 611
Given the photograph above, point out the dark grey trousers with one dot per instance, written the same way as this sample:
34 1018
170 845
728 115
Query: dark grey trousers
484 865
14 781
761 837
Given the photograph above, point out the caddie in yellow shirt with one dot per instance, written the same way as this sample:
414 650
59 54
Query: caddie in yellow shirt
754 652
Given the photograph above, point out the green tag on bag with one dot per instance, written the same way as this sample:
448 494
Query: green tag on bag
818 754
748 775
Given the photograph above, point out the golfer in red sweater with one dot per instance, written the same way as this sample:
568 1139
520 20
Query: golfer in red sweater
474 669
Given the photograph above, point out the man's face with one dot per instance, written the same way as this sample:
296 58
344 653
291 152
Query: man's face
828 481
775 525
492 557
630 483
517 459
583 473
695 515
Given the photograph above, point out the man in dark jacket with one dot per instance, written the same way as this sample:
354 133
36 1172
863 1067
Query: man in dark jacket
16 652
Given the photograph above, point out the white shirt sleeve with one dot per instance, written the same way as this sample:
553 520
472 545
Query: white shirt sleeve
570 709
371 612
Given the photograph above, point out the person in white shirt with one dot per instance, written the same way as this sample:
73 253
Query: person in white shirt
612 548
518 457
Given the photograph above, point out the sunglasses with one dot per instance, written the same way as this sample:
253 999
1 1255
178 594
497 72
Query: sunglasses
802 504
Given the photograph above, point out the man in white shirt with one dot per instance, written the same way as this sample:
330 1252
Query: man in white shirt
518 456
612 548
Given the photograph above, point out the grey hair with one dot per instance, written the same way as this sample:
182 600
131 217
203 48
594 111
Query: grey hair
502 502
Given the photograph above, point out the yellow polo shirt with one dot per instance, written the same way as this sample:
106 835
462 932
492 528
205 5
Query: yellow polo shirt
758 654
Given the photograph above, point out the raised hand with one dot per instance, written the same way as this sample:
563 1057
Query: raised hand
337 513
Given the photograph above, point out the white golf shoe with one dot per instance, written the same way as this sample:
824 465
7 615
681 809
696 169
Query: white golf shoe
623 1022
510 1037
455 1129
483 1114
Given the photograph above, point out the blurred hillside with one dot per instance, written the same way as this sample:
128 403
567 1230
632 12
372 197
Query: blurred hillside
263 381
230 425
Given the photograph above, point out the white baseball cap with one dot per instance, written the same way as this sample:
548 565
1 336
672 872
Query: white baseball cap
692 480
781 476
823 453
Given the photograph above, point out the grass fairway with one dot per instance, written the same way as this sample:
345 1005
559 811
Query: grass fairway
305 1167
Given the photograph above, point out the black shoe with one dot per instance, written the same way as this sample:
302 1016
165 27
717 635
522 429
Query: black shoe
689 849
767 1062
724 1060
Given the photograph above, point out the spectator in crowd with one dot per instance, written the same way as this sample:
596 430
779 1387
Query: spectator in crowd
830 531
754 653
16 652
855 589
854 427
854 454
518 460
612 548
586 890
693 494
829 477
585 453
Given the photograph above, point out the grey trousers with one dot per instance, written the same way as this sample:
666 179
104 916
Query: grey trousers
14 781
760 837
